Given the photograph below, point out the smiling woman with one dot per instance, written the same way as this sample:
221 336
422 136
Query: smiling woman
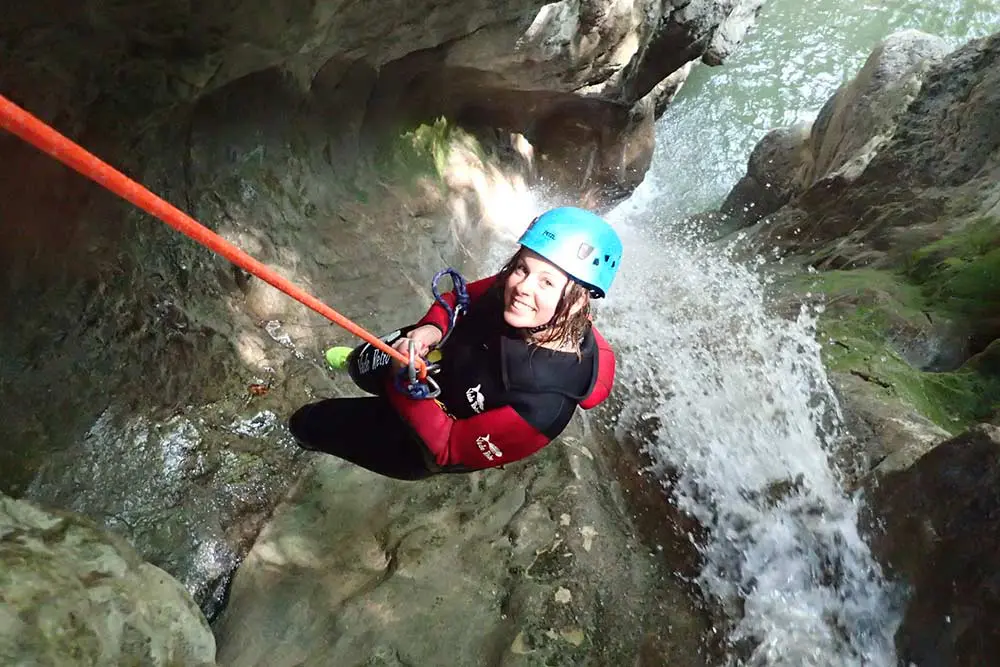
512 370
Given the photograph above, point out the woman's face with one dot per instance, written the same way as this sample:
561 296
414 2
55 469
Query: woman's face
532 291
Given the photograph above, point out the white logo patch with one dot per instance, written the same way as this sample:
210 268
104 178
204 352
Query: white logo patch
489 450
476 398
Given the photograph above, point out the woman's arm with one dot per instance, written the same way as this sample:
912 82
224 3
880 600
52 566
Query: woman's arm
605 372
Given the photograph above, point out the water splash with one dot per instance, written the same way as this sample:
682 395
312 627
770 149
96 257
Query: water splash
744 423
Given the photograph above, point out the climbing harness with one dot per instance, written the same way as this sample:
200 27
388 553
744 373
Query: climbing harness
32 130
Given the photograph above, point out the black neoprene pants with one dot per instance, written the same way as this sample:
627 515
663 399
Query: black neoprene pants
366 431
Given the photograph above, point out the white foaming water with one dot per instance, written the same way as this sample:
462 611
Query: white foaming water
743 422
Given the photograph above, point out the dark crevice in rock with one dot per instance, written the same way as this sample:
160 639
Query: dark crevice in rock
867 377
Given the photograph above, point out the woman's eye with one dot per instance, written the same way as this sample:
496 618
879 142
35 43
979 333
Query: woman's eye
546 283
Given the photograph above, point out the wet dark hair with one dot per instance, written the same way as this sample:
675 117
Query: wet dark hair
565 327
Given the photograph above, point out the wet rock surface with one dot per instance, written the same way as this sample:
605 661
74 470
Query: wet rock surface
773 171
72 594
940 532
540 563
188 454
208 481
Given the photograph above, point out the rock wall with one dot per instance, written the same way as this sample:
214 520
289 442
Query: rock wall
521 65
891 199
851 128
541 563
71 594
940 533
152 427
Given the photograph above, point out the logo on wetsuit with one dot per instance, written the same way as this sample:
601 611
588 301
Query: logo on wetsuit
475 398
489 450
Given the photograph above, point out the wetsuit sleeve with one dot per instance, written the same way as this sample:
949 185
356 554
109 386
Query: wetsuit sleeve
605 373
438 316
487 440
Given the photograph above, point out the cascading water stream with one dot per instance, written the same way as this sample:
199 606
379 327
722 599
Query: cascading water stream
744 424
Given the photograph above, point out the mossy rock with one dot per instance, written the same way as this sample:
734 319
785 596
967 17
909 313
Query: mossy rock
873 327
420 152
953 400
73 594
961 273
888 309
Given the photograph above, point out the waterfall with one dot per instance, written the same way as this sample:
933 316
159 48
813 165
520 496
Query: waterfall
744 426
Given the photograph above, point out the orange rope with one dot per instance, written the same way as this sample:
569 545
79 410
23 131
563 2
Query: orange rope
43 137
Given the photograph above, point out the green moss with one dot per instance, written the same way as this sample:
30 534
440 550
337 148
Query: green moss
961 272
420 152
869 315
881 304
866 286
977 238
953 400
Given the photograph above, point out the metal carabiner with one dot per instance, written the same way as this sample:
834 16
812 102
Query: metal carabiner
411 367
428 387
434 387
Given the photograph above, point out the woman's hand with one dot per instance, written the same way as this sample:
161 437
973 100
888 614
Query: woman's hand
424 337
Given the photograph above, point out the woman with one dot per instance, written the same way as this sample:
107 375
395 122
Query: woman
512 371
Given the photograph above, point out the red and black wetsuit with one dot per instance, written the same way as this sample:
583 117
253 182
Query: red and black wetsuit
501 398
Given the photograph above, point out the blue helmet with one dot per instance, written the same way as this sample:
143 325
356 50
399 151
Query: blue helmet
580 243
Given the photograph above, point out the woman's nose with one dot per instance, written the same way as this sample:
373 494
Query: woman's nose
526 286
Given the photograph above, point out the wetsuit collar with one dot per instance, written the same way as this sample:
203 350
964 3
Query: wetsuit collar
535 369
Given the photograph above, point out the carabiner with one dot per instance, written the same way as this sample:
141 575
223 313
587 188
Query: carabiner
411 367
434 388
461 299
416 388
